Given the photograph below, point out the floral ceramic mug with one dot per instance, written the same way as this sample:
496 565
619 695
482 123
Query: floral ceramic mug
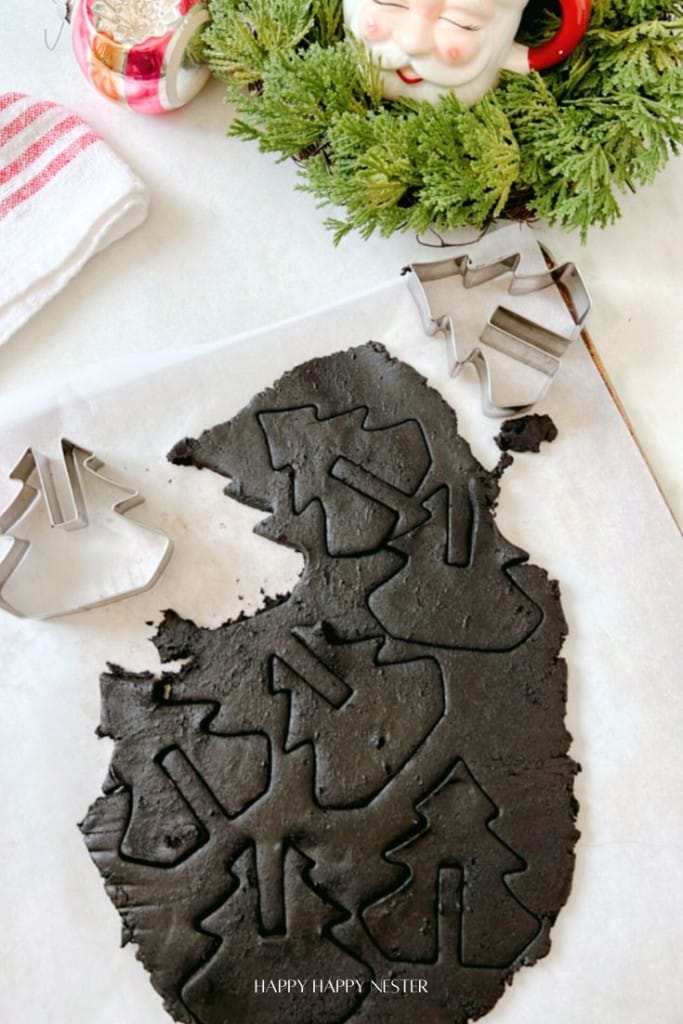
427 48
133 50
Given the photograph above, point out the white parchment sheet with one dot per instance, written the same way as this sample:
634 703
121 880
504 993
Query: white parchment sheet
586 509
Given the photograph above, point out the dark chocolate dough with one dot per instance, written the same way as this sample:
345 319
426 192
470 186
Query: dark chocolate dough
525 433
365 787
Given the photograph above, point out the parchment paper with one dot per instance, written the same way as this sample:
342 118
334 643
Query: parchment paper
587 510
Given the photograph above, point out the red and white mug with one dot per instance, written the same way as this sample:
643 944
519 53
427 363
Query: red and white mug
427 48
133 50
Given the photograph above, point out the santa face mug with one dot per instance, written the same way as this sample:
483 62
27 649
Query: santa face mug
427 48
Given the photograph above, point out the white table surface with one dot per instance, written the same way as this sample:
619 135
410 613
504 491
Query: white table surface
230 245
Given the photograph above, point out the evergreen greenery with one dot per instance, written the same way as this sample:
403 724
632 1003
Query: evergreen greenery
561 145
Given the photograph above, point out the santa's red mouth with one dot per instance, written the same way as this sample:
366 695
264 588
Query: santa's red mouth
408 76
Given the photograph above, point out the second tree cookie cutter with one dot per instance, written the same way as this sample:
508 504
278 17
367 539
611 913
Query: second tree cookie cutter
509 332
62 498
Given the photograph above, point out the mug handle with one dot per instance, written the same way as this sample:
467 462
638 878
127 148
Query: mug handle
575 15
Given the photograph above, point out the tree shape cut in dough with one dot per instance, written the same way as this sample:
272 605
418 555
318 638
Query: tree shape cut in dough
221 992
495 926
162 828
446 982
361 745
476 607
361 477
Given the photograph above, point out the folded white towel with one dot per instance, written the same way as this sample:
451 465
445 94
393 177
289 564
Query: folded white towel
64 195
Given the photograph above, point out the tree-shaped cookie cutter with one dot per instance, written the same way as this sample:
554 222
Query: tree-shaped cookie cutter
525 341
60 500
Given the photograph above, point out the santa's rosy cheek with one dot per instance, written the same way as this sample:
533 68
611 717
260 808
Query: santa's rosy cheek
467 46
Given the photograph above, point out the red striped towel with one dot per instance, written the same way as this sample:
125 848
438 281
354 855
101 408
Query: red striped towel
64 195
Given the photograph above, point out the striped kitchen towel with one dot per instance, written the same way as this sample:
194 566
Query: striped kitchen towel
64 195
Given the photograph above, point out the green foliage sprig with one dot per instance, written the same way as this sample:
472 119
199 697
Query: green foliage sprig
561 146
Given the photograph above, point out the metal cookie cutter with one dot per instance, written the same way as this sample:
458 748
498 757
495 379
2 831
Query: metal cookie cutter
508 332
72 547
